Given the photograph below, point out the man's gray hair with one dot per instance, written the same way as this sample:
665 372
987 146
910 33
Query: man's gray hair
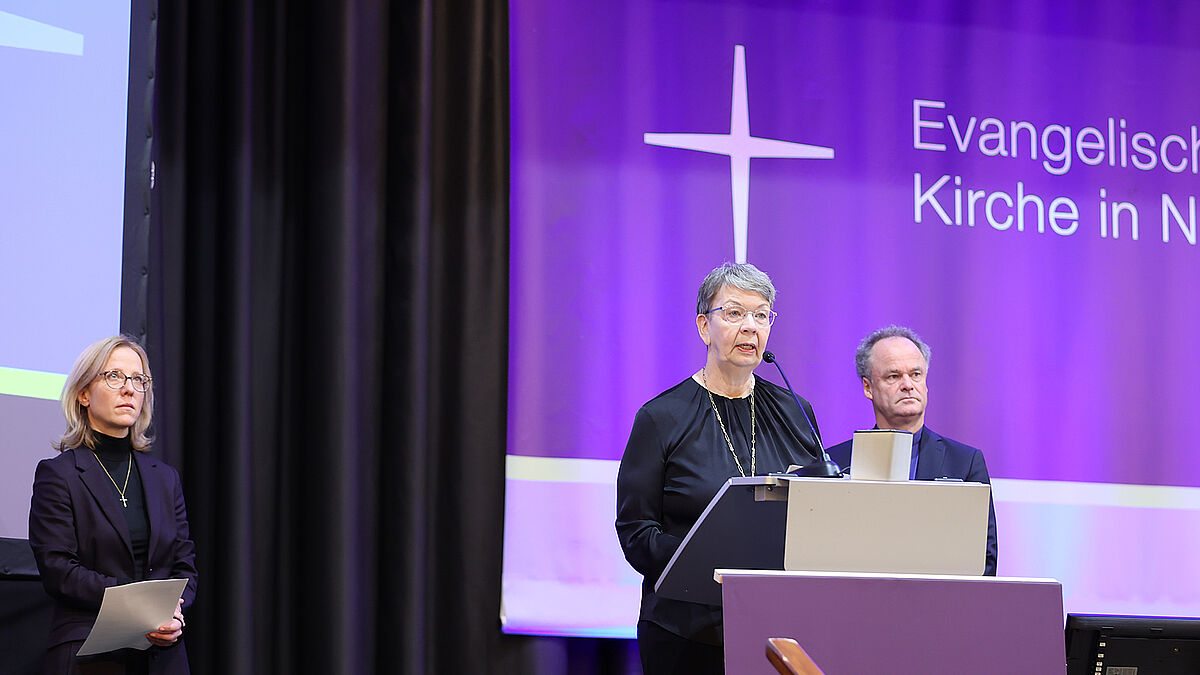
742 276
862 357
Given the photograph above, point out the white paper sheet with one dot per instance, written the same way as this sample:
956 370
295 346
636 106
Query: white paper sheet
128 612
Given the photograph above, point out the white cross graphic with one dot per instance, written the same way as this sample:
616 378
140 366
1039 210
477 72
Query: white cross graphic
741 147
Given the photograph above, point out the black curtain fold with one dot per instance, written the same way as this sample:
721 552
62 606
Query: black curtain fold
328 328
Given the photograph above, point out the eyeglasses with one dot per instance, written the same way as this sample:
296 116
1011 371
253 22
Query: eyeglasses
735 314
115 379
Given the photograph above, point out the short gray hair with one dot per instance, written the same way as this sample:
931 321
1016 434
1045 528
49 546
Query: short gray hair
742 276
862 357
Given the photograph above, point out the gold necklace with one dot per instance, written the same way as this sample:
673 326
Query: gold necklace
120 489
704 379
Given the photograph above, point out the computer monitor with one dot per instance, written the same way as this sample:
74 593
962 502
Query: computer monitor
1132 645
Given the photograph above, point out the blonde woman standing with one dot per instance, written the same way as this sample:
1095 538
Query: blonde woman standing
105 513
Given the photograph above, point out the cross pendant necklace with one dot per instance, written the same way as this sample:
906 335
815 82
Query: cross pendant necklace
120 489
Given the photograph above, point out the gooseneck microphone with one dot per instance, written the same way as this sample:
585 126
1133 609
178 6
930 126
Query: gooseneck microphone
822 468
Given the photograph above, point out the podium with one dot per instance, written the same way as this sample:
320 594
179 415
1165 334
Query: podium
899 624
824 524
742 527
868 576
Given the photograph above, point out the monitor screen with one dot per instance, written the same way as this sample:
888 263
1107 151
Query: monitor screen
1132 645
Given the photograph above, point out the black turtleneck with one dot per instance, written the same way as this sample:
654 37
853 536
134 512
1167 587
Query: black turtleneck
116 454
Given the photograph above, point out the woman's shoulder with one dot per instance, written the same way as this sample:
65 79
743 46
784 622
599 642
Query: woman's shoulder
778 393
153 462
763 386
63 458
671 405
684 391
60 467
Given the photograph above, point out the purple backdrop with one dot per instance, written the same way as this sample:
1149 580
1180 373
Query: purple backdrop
1061 348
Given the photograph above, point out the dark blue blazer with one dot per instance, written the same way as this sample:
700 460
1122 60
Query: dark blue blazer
82 544
941 457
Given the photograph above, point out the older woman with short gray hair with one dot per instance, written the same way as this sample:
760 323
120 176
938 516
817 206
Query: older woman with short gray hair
719 423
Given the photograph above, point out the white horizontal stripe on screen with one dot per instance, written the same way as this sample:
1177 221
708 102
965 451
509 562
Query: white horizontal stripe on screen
1096 494
1011 490
22 33
561 470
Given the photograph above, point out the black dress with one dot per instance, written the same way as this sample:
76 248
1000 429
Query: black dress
676 461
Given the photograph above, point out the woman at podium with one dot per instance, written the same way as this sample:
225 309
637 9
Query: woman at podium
720 422
105 513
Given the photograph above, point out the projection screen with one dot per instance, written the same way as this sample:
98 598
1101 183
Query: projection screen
1017 183
65 71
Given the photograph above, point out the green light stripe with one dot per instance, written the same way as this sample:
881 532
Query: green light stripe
31 383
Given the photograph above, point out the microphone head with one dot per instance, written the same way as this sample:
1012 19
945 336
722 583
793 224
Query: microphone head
769 356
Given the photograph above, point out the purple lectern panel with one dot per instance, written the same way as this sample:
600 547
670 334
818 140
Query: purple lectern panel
896 624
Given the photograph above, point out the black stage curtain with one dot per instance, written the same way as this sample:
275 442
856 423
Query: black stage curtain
328 308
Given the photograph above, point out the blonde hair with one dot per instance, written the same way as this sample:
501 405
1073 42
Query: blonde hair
87 367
